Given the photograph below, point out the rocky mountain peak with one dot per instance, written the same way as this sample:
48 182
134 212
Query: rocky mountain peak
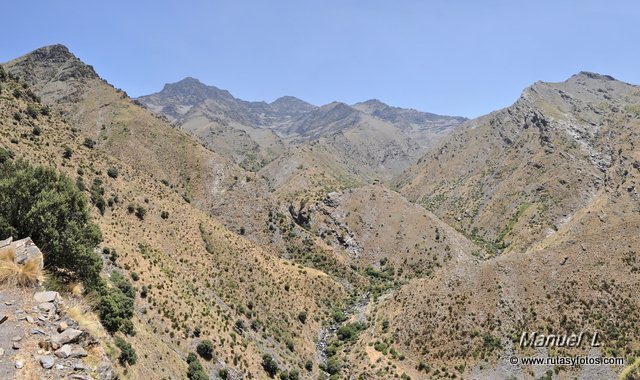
48 65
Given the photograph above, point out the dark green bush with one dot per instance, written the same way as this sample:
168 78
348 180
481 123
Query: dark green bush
141 212
68 152
269 365
112 172
32 111
116 304
47 206
127 353
205 349
195 370
89 143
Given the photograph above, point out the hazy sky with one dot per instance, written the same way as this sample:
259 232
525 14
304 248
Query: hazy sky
451 57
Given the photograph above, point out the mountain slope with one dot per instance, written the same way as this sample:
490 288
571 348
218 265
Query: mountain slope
467 320
116 125
193 271
515 176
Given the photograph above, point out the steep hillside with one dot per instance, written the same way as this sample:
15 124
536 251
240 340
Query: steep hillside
376 227
111 122
196 279
513 177
467 320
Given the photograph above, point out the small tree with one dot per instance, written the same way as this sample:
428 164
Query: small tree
269 365
127 353
47 206
112 172
205 349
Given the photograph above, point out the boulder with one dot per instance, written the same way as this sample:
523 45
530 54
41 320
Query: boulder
48 296
70 351
27 250
67 336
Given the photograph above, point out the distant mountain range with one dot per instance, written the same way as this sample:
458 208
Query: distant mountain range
242 128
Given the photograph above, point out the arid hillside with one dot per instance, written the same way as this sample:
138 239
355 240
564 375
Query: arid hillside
191 272
515 176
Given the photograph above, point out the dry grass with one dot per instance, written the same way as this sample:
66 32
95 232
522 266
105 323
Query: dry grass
80 312
8 254
12 273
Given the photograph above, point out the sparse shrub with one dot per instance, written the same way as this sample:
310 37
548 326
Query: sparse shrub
164 214
32 111
141 212
302 317
308 365
13 273
269 365
205 349
127 353
89 143
67 153
37 131
112 172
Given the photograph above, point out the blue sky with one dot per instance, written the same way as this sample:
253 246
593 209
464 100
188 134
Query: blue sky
451 57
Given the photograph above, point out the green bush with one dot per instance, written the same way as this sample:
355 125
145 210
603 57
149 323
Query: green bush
32 111
112 172
127 353
349 331
47 206
68 152
195 370
269 365
205 349
141 212
89 143
117 304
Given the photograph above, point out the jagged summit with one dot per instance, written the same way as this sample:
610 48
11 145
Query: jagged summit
54 72
592 75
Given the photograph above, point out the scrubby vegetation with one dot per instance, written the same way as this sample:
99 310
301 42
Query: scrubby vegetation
40 203
116 305
127 353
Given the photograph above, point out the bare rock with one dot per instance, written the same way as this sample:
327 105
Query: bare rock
62 326
47 361
70 351
19 364
67 336
48 296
